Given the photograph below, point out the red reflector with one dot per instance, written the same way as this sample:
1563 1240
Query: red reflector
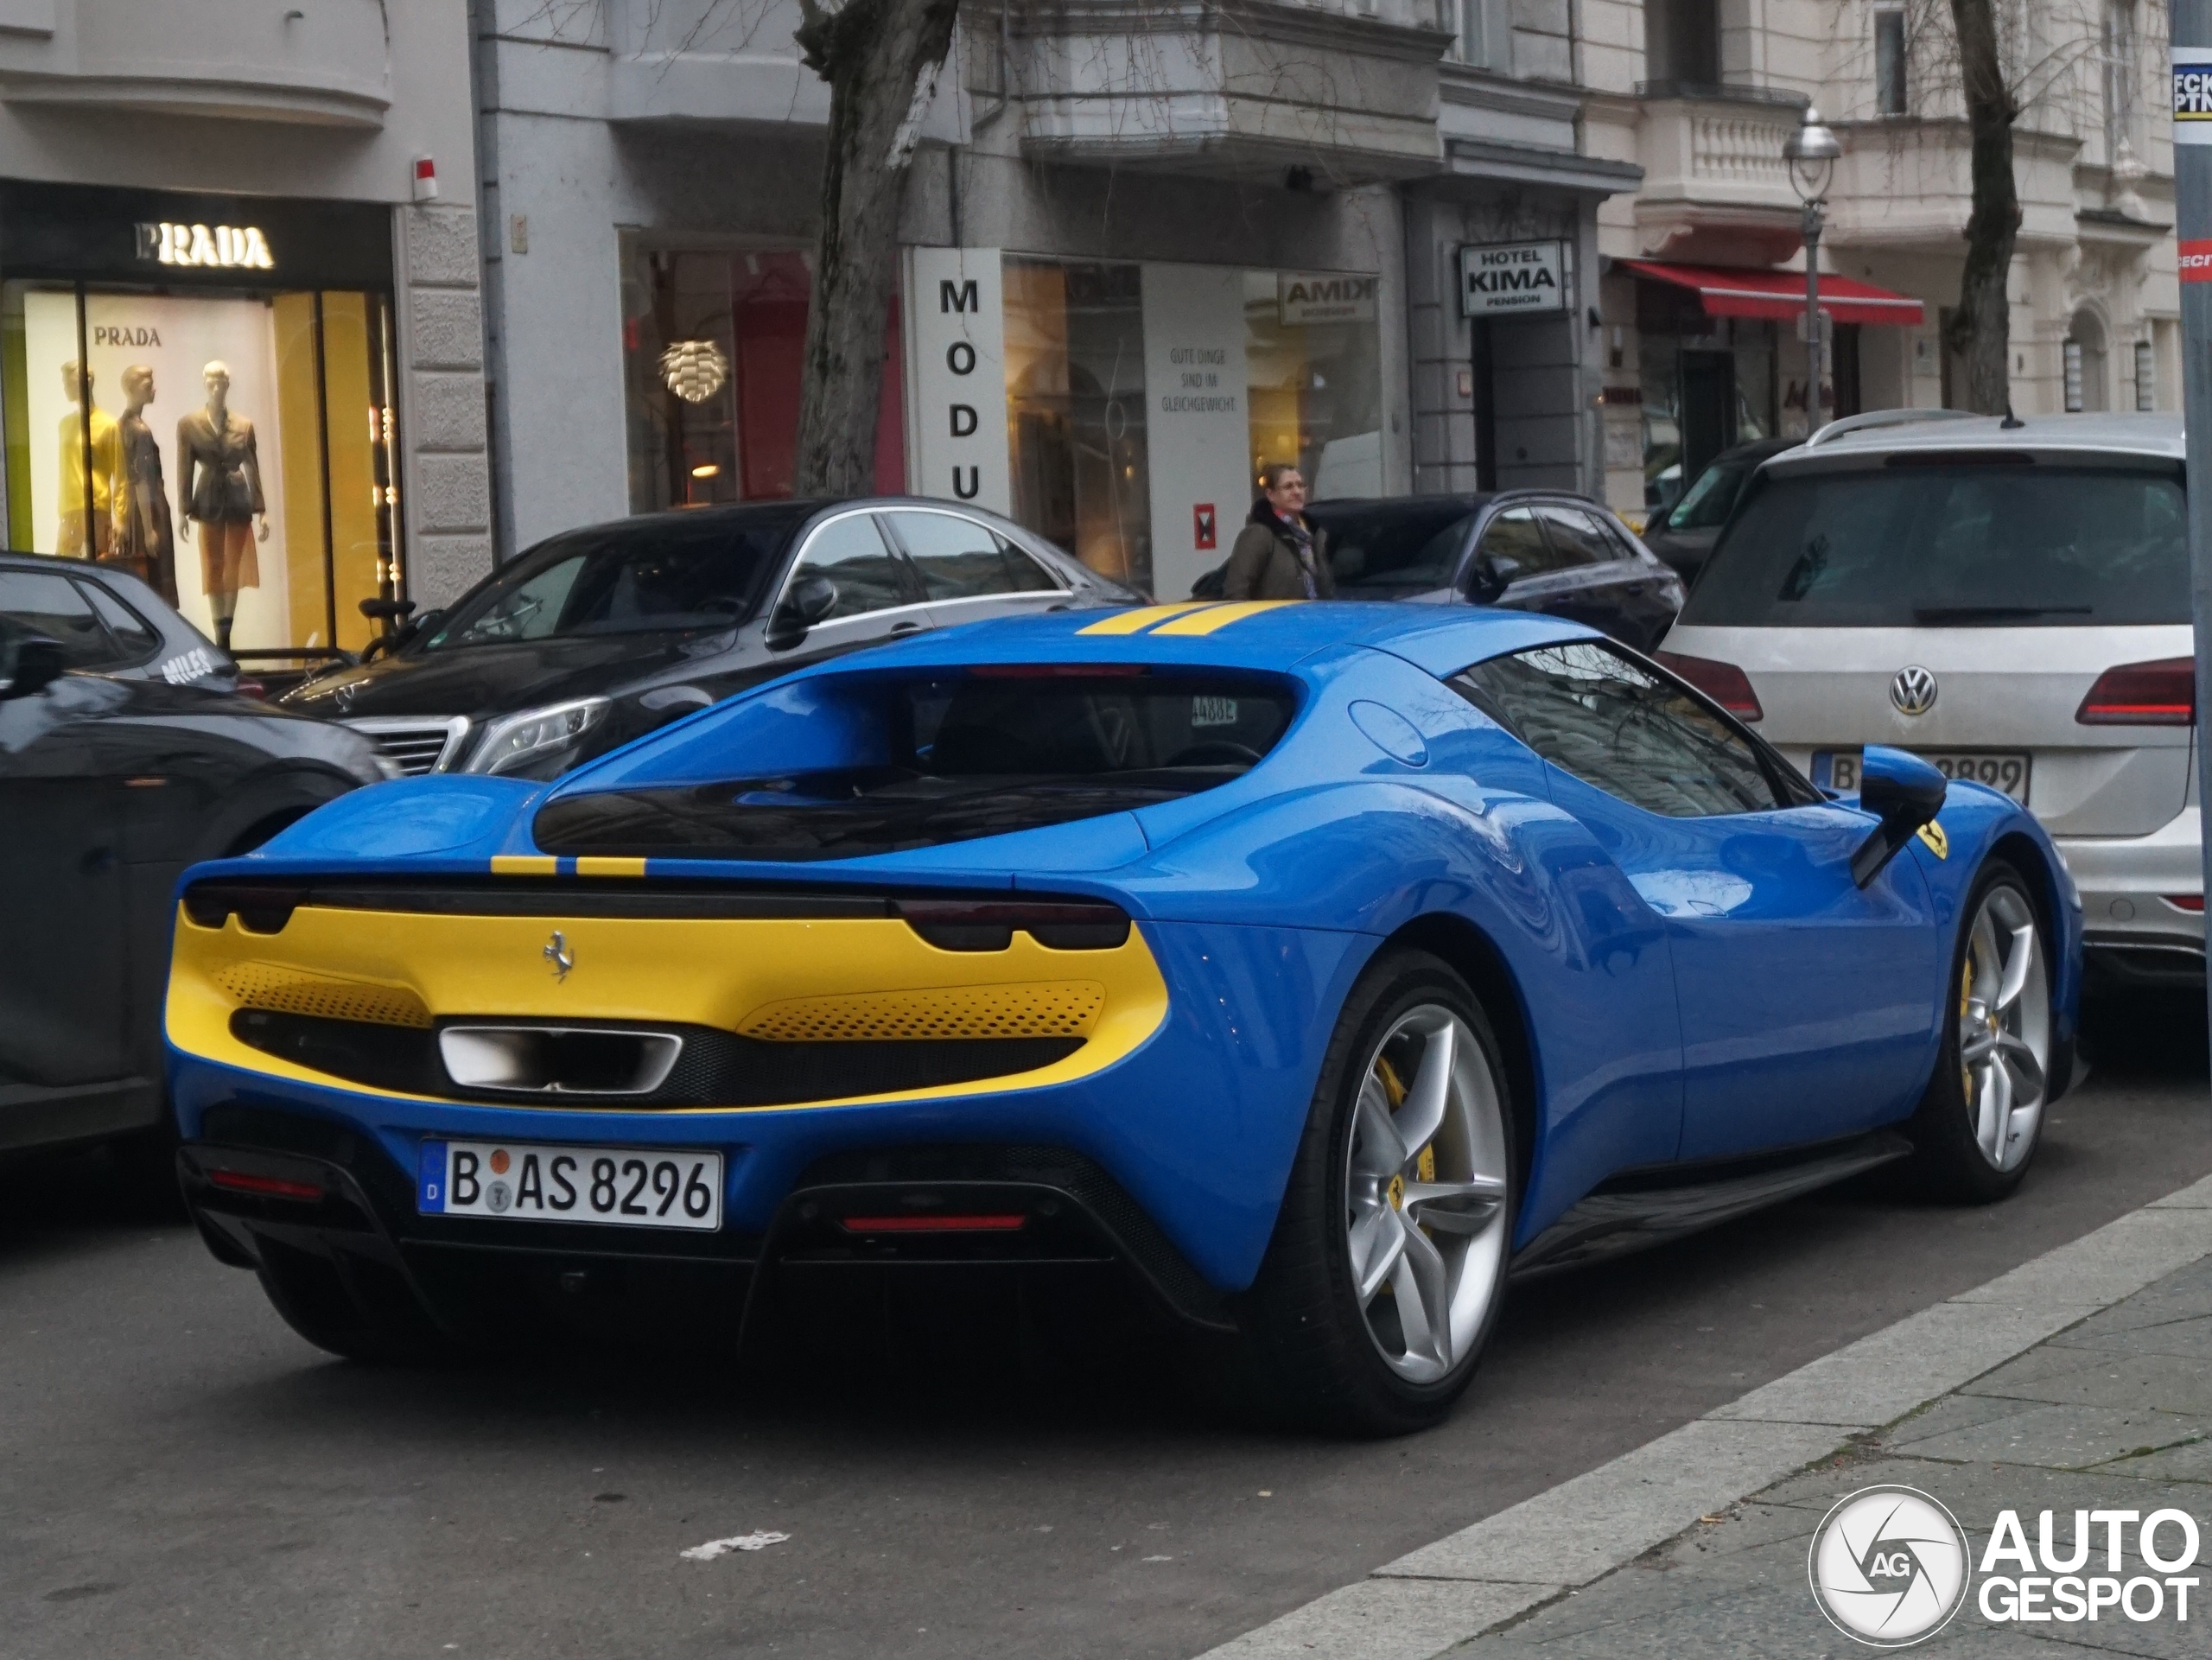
932 1224
239 1181
2163 693
1723 683
1051 670
2185 901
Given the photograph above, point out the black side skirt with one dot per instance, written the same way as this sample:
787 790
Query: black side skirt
1634 1211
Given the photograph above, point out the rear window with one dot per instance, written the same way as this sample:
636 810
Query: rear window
660 575
884 765
1408 549
1951 545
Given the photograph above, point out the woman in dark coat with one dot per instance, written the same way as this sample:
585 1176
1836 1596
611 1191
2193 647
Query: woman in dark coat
1278 555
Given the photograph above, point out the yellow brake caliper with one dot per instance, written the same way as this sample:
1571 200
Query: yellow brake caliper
1424 1165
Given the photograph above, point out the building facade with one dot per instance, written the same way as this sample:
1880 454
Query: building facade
1703 287
1149 249
240 343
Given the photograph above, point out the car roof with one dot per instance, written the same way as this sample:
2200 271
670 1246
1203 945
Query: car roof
1907 431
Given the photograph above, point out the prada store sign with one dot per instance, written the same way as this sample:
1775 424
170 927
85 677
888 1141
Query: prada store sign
164 243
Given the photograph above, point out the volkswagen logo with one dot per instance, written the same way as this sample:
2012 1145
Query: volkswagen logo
1913 690
557 955
1888 1566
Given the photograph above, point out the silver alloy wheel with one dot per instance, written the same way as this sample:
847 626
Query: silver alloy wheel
1425 1190
2005 1028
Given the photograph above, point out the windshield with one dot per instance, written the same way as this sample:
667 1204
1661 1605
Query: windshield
661 575
1706 507
911 763
1415 546
1952 544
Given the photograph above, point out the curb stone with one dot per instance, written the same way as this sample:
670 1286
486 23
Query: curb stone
1548 1546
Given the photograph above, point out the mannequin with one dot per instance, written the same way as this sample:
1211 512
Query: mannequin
71 542
219 483
142 539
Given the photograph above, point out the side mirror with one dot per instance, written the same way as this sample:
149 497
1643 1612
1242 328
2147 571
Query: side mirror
28 665
811 599
1905 793
1492 575
387 610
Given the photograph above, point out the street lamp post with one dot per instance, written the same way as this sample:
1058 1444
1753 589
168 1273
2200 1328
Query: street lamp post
1811 152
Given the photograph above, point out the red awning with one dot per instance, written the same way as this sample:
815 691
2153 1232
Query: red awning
1780 295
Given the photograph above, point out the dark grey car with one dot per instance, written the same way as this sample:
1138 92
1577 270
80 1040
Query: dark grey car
106 621
1524 550
111 784
1683 537
597 636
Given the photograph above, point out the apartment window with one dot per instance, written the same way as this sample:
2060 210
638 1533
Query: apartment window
2118 51
1681 41
1888 63
2147 377
1472 21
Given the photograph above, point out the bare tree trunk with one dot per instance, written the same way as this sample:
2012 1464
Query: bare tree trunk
881 58
1982 329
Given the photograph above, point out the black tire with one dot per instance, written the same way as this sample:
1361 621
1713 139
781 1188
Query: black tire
1949 1162
1307 1335
364 1313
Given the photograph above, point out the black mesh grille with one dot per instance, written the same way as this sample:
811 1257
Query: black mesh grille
716 1069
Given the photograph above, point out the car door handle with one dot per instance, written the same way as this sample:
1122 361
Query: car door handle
906 627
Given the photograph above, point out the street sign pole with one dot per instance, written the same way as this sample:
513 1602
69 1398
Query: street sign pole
2191 26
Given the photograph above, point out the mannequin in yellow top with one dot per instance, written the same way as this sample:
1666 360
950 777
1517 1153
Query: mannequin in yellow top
107 459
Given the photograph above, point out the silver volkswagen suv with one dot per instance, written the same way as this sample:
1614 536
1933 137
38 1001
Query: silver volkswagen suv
2009 598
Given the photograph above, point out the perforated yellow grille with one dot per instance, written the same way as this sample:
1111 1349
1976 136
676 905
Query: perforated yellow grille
1054 1008
289 991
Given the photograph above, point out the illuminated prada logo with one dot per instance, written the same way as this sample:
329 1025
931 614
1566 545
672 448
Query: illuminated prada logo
242 246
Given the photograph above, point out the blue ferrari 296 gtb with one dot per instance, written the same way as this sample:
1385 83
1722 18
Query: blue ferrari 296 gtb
1325 965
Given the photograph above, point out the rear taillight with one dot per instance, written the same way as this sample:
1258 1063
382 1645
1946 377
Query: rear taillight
987 1222
2184 901
251 688
2163 693
243 1182
1723 683
260 908
989 925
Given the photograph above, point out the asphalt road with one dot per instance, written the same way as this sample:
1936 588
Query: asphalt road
179 1476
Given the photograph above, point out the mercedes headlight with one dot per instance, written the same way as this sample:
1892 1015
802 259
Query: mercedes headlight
537 742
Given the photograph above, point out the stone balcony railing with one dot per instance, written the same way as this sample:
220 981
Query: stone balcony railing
1713 168
1347 93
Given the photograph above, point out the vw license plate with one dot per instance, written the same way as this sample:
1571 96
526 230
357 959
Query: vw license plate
529 1181
1999 770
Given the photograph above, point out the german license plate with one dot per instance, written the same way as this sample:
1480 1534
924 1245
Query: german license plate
529 1181
2007 771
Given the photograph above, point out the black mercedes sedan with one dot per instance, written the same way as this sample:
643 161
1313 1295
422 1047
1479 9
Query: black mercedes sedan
597 636
1524 550
110 785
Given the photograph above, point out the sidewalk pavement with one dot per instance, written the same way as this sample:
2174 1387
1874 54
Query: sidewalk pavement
2078 1381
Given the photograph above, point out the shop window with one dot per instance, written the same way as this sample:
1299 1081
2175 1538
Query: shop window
1075 409
1280 365
234 450
712 343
